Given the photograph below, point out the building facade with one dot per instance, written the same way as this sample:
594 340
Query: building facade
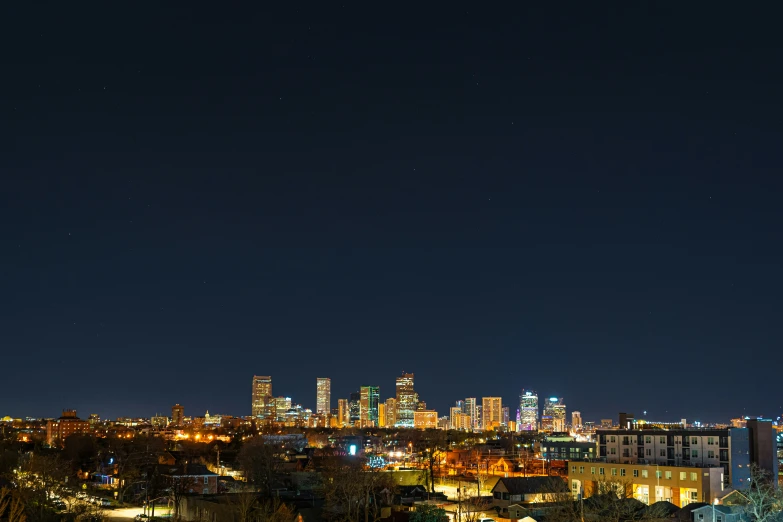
406 401
263 406
491 413
554 417
470 410
343 413
680 485
68 424
368 404
178 415
528 411
727 449
576 420
391 411
355 409
323 395
425 419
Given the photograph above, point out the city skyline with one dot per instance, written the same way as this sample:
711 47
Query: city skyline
263 385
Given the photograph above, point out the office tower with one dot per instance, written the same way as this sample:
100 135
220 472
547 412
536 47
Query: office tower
461 406
263 404
354 408
391 411
491 413
343 413
406 401
576 420
479 419
282 405
323 395
425 419
504 417
368 405
177 415
528 410
554 415
470 411
381 414
454 412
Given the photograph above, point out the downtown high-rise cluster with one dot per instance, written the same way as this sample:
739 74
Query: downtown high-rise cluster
364 408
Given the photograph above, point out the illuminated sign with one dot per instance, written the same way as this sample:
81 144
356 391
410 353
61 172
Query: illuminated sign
352 449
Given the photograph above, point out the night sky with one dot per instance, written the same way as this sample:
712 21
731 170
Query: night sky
580 201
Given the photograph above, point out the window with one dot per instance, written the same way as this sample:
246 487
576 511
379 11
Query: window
592 470
694 440
612 439
644 473
600 471
206 480
658 474
662 440
636 473
573 469
648 439
614 451
663 452
710 441
648 452
694 453
622 472
710 454
668 475
581 469
701 516
694 477
614 472
683 475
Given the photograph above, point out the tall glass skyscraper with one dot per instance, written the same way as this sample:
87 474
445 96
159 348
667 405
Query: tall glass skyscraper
354 408
470 409
263 405
368 403
323 395
528 410
554 418
406 401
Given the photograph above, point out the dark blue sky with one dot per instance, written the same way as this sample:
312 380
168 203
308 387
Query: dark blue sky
578 201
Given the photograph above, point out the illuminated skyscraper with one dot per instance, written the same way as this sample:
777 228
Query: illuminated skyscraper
381 414
470 410
343 413
554 418
528 411
323 395
368 404
178 415
282 405
391 411
576 420
263 406
406 401
354 408
491 413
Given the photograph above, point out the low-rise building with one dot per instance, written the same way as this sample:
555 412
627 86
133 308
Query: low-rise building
680 485
68 424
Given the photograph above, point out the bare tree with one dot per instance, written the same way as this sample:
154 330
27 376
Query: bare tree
261 463
765 499
11 506
178 487
354 492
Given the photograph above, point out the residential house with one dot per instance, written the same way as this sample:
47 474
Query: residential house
719 513
527 490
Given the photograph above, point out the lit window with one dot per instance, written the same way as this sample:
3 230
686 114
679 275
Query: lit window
592 470
683 475
622 472
644 473
694 477
600 471
614 472
668 475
